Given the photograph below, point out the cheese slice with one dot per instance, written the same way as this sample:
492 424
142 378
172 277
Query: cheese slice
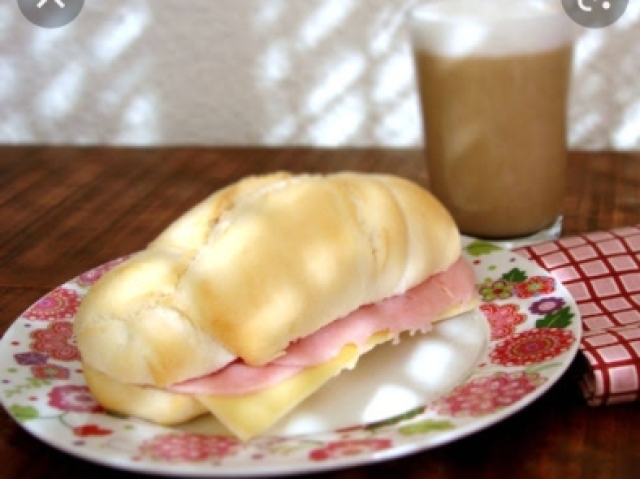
252 414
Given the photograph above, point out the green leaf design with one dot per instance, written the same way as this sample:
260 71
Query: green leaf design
395 419
478 248
559 319
23 413
425 427
289 448
515 276
32 383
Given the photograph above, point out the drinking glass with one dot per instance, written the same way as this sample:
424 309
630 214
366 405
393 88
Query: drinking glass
493 78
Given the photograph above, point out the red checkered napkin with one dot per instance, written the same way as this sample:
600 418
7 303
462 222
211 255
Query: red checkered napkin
601 270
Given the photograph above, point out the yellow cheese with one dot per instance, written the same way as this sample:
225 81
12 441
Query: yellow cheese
251 414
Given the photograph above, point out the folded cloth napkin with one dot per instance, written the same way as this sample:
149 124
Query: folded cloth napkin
601 270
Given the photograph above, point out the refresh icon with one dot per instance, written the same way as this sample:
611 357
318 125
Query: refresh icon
595 13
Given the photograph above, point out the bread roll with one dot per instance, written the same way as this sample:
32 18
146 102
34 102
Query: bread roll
257 265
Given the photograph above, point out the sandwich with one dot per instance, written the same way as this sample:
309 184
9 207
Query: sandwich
263 292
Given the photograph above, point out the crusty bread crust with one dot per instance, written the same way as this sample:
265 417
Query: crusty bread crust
257 265
150 403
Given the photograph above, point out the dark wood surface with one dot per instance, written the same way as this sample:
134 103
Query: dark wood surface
66 210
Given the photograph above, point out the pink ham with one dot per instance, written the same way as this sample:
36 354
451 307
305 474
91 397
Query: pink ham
413 311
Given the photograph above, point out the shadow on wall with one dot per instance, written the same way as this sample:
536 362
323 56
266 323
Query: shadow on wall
86 82
605 103
220 72
312 72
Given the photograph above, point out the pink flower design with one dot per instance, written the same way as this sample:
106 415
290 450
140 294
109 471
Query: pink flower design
535 286
488 394
49 371
57 341
61 303
73 398
349 447
503 319
90 277
176 447
532 347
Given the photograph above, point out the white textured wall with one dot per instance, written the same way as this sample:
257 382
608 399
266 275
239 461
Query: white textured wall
314 72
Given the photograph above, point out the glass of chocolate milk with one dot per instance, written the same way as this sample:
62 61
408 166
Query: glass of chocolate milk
493 78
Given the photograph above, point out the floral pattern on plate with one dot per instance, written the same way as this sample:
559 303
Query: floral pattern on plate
533 324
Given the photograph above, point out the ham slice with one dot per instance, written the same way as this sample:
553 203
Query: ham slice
410 312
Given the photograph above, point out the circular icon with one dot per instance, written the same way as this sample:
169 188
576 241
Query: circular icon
595 13
50 13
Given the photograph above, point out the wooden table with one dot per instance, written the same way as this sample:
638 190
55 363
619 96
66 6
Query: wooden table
66 210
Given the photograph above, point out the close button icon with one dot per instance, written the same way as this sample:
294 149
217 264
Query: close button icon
50 13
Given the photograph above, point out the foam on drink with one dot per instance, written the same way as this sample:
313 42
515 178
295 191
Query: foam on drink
490 27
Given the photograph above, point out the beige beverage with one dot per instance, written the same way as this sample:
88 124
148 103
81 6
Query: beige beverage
495 128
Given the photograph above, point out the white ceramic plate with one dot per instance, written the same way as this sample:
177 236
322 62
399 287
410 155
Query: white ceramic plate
467 374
